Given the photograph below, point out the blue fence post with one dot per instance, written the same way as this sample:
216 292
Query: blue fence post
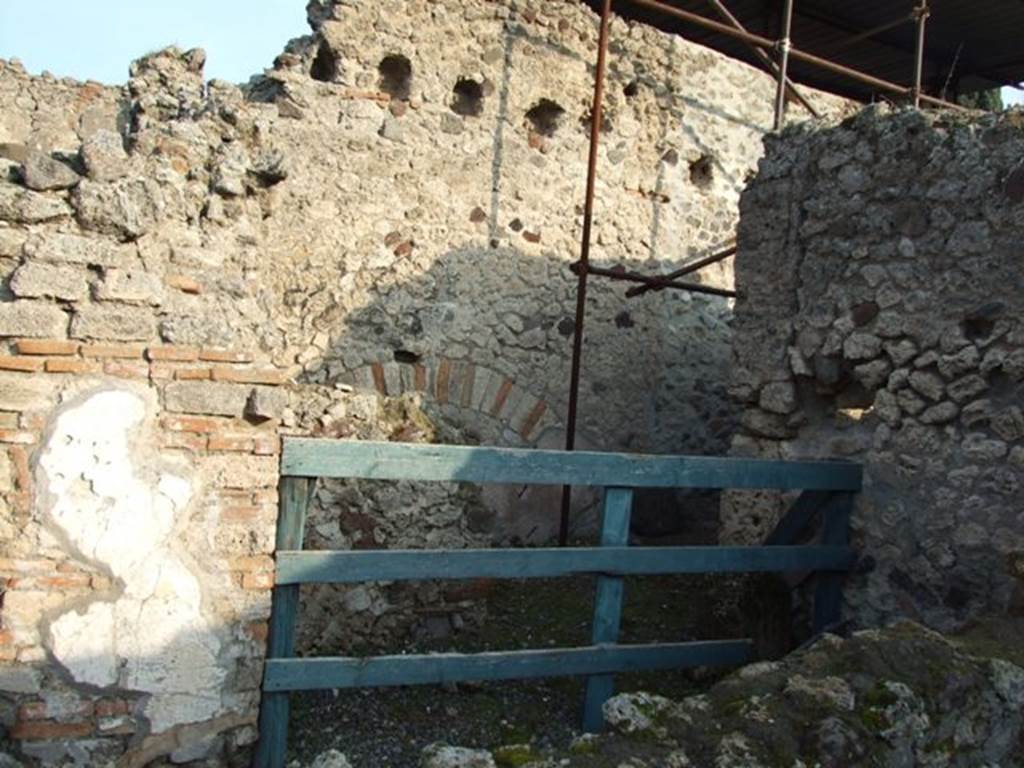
828 593
618 503
270 752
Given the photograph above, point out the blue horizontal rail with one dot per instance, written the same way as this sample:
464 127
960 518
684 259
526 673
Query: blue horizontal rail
312 457
301 567
342 672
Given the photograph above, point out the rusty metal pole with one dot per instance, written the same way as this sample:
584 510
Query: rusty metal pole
780 91
726 14
795 53
584 261
921 12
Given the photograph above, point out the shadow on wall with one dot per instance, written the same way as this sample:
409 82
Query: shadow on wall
484 335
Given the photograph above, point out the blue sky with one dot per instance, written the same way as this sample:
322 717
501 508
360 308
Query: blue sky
97 39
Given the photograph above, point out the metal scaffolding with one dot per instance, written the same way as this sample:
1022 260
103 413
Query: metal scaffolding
785 91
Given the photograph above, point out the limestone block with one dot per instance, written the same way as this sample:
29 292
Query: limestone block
111 322
77 249
24 206
37 280
25 393
104 157
266 403
32 318
125 208
210 398
44 173
130 285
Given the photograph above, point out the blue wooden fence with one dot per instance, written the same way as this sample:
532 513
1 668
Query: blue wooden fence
828 489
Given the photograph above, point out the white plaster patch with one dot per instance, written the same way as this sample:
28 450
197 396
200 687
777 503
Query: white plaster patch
84 642
154 638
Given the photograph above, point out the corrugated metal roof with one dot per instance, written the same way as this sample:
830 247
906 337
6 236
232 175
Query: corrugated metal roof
970 45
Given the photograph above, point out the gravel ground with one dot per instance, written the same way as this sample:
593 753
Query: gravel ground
387 728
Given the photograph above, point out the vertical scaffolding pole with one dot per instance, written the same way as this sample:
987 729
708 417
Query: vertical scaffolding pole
921 13
780 91
584 262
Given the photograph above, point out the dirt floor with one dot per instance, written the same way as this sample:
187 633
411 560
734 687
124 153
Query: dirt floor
388 728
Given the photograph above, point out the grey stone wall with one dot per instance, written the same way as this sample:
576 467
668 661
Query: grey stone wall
880 320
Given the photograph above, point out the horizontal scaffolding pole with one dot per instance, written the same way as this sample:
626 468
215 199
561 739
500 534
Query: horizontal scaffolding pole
660 282
635 277
795 53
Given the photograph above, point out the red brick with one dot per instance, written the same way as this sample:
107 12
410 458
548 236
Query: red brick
6 637
20 363
379 381
420 378
267 446
253 563
501 397
49 730
530 422
47 347
183 283
100 583
257 581
258 631
230 443
17 436
161 371
22 473
250 375
173 353
224 356
240 514
199 424
34 422
126 370
68 365
122 351
67 581
444 370
192 374
184 441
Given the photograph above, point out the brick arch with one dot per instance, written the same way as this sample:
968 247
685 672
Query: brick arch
464 385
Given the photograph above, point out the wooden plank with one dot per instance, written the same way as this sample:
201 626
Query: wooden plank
311 457
411 565
798 517
618 504
270 752
343 672
828 593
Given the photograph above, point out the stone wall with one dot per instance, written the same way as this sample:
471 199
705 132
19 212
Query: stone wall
370 240
880 320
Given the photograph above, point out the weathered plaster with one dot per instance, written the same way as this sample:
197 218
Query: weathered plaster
105 492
